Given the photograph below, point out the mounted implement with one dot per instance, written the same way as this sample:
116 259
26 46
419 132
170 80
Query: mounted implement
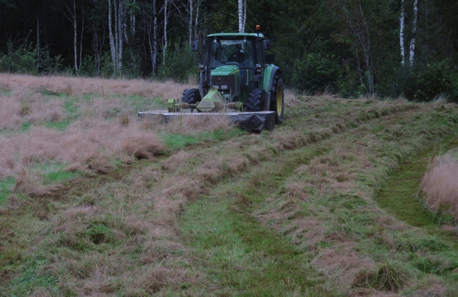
237 79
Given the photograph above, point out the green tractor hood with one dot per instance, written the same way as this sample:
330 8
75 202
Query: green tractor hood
226 70
226 79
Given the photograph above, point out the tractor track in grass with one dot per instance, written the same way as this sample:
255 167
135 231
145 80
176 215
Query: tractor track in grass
226 171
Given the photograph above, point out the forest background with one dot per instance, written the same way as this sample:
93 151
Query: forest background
388 48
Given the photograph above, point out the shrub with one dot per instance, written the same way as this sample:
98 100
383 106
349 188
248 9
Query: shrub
28 58
180 63
316 72
418 83
426 83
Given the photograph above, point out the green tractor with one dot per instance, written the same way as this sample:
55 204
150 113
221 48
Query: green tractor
236 72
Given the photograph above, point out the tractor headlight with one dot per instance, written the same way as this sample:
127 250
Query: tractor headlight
216 87
224 87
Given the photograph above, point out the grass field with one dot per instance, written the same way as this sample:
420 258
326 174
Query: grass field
94 202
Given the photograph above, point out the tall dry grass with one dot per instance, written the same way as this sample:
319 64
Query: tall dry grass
440 185
81 85
92 130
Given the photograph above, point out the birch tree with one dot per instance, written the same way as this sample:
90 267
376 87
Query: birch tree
242 15
165 36
414 31
401 32
116 19
402 26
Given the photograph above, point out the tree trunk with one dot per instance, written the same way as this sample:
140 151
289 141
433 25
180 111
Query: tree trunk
196 22
75 36
240 15
166 16
401 33
120 23
81 44
190 21
414 31
427 32
359 28
72 17
155 38
244 16
112 36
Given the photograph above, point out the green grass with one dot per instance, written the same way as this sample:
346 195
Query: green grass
139 103
33 275
243 255
179 141
60 125
6 189
54 172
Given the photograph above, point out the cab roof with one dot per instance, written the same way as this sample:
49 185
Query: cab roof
237 35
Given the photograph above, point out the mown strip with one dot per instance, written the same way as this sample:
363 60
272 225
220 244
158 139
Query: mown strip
245 257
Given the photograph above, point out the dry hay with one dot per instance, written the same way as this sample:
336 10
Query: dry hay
440 186
82 85
89 142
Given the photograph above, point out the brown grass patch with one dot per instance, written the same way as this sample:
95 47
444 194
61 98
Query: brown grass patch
291 99
175 160
81 85
10 113
190 125
92 142
342 265
440 185
296 190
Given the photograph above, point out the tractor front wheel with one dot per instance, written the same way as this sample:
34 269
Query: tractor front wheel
256 100
191 96
277 101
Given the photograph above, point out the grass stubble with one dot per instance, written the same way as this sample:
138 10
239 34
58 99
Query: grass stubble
286 212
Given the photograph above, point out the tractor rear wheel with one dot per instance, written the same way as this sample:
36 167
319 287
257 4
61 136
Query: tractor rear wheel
256 100
277 100
191 96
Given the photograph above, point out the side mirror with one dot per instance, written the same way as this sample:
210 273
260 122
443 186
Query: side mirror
266 44
195 45
270 59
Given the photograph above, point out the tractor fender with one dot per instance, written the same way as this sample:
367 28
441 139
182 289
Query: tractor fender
268 79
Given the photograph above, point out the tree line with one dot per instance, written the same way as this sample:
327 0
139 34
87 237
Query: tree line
390 48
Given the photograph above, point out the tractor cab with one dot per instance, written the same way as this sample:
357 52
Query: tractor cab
235 52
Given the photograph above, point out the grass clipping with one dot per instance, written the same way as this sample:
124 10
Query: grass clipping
440 186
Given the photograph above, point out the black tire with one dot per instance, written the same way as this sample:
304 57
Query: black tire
277 98
191 96
256 100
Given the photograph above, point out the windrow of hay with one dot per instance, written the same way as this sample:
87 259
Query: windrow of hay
440 185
